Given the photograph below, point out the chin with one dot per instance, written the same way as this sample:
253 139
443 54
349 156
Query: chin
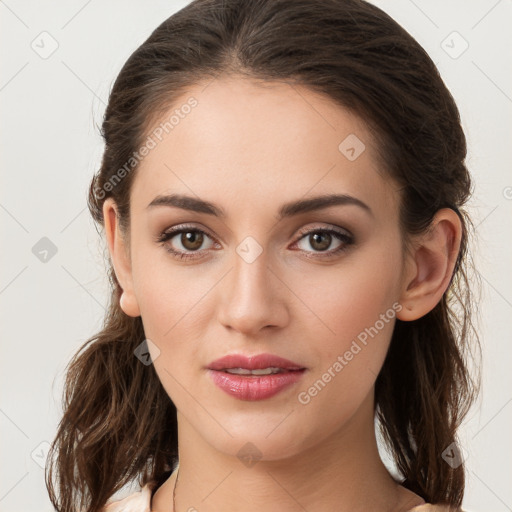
251 445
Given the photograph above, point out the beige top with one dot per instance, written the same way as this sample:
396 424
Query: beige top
140 501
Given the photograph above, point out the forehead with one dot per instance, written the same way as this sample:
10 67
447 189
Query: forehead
247 142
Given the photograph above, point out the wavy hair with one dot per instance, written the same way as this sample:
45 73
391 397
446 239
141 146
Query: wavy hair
118 423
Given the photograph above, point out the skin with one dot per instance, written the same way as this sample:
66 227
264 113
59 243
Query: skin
250 147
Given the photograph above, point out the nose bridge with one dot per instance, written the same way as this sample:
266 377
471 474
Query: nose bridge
250 297
250 273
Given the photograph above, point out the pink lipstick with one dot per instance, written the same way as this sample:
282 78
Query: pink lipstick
254 377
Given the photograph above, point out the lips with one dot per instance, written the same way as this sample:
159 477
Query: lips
257 362
254 377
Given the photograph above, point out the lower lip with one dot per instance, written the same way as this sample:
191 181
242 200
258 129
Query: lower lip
253 387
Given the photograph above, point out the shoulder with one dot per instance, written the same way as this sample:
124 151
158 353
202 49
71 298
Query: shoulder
428 507
139 501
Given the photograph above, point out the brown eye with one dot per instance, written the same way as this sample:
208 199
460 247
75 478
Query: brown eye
320 241
186 242
192 240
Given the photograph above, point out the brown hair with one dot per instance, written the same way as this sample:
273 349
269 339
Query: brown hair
119 423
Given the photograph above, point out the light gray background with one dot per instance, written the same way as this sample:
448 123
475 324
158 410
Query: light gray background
50 147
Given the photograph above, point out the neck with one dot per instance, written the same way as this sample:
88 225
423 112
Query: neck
343 472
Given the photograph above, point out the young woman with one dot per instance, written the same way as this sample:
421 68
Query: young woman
282 195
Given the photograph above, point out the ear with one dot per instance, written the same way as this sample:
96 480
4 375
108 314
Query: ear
430 265
119 254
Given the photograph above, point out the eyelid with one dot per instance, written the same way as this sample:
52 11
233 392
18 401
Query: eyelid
329 227
182 227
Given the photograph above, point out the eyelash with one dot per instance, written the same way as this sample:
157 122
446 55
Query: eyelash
169 234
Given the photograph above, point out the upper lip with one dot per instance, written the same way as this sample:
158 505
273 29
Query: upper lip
256 362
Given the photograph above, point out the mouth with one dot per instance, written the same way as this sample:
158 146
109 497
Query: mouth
269 363
255 377
262 371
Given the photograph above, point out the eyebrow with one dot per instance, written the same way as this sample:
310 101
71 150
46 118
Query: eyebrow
287 210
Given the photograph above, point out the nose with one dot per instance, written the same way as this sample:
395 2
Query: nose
253 297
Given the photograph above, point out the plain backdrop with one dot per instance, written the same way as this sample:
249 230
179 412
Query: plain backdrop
58 62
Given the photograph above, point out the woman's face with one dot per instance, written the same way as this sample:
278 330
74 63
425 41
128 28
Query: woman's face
266 277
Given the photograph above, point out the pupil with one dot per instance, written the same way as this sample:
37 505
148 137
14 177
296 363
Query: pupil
321 246
192 240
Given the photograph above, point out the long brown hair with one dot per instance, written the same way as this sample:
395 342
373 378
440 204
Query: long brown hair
119 425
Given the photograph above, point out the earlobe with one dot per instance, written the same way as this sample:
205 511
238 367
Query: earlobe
119 256
432 262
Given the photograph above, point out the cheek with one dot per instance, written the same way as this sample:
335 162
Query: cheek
176 308
357 305
352 297
169 295
170 301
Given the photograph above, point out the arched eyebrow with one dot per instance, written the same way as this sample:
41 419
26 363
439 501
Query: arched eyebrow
289 209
